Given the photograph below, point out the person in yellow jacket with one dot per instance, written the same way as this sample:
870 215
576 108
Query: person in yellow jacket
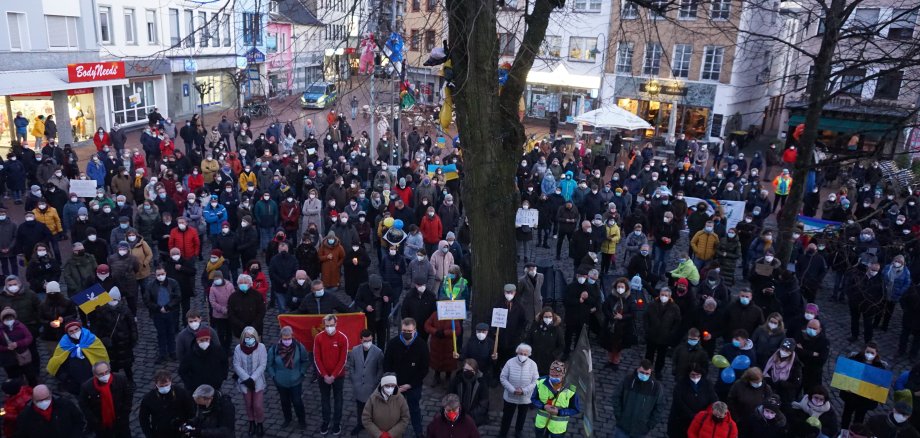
74 356
704 244
555 401
781 185
38 130
609 245
48 215
209 168
247 176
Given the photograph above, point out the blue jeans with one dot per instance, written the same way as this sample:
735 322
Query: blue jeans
281 301
659 260
265 236
413 398
165 324
324 391
620 433
292 396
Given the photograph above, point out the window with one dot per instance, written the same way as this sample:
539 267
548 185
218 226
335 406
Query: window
429 40
133 101
17 27
851 81
658 10
226 29
624 57
712 63
551 47
271 42
888 85
652 62
189 28
865 17
716 130
151 28
587 5
688 9
282 42
105 25
582 49
252 29
62 32
432 5
820 28
680 65
175 35
215 30
506 44
130 27
720 9
416 5
630 10
414 40
902 25
205 28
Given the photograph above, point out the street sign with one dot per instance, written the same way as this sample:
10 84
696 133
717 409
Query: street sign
254 56
191 66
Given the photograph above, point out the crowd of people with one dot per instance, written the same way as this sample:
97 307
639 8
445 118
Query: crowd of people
205 242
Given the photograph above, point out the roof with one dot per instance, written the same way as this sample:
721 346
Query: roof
298 12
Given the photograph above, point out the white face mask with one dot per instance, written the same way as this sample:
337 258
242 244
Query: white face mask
522 358
809 316
772 325
389 390
768 259
301 282
161 278
784 353
696 379
665 299
43 405
548 321
367 345
41 253
509 297
899 418
164 389
204 345
330 331
219 282
194 325
870 357
105 377
481 336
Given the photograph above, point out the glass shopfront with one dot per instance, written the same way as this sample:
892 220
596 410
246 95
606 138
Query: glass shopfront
81 106
132 102
690 120
544 100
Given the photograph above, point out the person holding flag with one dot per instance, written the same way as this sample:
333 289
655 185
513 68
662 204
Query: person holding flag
74 356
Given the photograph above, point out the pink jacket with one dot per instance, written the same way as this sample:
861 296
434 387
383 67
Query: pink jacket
218 297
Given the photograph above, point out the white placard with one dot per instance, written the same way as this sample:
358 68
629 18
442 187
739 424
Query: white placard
83 188
499 317
527 217
451 309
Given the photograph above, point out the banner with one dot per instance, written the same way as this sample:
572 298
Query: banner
580 373
306 327
815 225
861 379
448 170
732 211
83 188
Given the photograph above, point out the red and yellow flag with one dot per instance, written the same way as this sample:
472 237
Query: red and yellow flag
306 327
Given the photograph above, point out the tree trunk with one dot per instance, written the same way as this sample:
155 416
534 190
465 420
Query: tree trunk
817 93
491 136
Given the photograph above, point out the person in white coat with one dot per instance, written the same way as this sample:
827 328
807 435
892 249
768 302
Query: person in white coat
364 367
311 212
249 361
518 378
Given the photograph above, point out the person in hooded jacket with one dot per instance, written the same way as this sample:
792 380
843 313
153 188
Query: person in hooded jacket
472 389
52 311
714 421
205 364
783 372
79 270
693 394
893 424
765 421
746 394
815 403
386 413
547 339
118 332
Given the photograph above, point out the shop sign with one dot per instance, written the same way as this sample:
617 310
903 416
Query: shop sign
96 71
671 89
190 65
254 56
47 94
689 93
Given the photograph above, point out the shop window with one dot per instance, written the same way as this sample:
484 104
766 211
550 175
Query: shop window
175 35
414 40
852 80
625 57
214 86
133 101
652 63
205 29
429 40
62 32
18 32
151 27
189 28
551 47
720 9
902 25
680 67
712 63
105 25
688 9
583 49
630 10
215 30
888 85
130 27
506 44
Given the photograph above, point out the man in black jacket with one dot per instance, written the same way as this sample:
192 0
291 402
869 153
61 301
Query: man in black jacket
65 419
320 302
375 298
247 240
866 298
282 267
185 340
227 243
162 296
165 407
582 243
215 415
183 271
419 303
206 364
106 402
407 356
581 302
567 220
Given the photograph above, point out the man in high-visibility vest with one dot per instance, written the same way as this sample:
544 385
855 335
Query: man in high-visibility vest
555 402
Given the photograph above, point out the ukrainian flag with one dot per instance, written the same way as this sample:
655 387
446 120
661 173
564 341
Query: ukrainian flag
91 298
448 170
861 379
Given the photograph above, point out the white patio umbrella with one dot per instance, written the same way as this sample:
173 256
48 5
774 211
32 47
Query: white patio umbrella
613 117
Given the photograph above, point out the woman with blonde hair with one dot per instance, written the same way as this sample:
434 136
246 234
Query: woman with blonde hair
249 361
747 394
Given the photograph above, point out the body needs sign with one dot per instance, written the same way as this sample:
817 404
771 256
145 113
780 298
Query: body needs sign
95 71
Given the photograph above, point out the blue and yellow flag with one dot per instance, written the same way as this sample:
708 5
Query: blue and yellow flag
448 170
91 298
861 379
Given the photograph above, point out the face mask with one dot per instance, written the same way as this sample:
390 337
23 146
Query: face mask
389 390
811 332
522 358
643 252
809 316
736 343
555 380
664 300
43 405
122 252
693 342
330 241
161 278
132 238
708 229
9 323
643 377
408 336
768 259
899 418
772 325
219 282
105 378
784 353
204 345
421 288
164 389
183 227
581 280
77 334
870 357
319 293
756 384
637 232
330 331
244 287
745 301
41 253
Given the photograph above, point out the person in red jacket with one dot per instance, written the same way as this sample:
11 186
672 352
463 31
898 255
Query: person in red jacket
101 139
17 396
290 215
184 238
195 180
790 155
431 229
167 148
259 282
330 350
714 422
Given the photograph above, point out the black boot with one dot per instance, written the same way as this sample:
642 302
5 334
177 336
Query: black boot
260 430
252 428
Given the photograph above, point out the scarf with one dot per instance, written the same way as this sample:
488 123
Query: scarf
287 354
46 414
810 409
779 369
214 267
248 350
137 181
76 350
106 404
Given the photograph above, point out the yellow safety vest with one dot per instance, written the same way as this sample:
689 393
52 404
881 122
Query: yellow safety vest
554 423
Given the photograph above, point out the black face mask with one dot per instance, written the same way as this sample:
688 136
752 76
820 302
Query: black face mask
469 374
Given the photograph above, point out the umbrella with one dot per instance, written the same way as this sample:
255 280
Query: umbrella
612 116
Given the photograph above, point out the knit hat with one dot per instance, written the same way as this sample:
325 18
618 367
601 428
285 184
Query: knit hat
52 287
811 308
6 313
450 235
598 217
482 327
225 223
11 387
82 211
102 269
772 403
420 279
389 379
203 333
682 282
123 244
78 246
374 281
330 234
217 252
71 324
333 213
510 287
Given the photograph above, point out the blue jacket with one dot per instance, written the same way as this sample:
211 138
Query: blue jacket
568 186
895 288
283 376
548 185
70 213
21 123
96 171
574 404
214 217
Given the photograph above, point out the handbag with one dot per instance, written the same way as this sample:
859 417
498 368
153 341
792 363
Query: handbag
23 358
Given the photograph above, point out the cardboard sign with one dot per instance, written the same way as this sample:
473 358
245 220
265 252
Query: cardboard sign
530 217
451 309
499 317
83 188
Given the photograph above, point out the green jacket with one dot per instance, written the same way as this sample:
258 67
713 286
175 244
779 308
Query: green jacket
637 405
25 303
687 270
79 273
283 376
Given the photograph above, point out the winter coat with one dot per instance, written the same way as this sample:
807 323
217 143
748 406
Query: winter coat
283 376
742 317
637 405
151 295
141 251
245 309
895 283
661 322
79 273
116 328
202 367
703 426
188 241
744 398
214 217
408 362
516 374
50 218
19 334
219 298
218 421
704 245
250 366
389 414
65 420
441 345
91 404
53 307
687 401
364 372
766 343
25 303
441 427
331 258
160 415
547 342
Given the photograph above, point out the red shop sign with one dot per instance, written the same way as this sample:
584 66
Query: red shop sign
96 71
73 92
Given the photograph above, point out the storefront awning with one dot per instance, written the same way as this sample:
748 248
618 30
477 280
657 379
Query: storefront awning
35 81
561 77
